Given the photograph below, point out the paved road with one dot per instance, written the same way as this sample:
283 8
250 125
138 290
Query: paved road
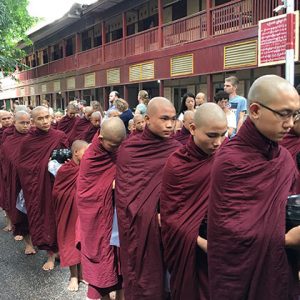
22 278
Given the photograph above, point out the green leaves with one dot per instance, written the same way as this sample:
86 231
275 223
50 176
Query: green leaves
14 23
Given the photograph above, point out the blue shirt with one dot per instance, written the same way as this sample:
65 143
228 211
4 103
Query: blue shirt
238 104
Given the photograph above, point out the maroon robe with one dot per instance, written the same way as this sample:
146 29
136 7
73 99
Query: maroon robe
37 182
183 206
251 179
182 135
292 142
83 130
11 152
7 132
64 191
66 124
95 213
4 133
139 173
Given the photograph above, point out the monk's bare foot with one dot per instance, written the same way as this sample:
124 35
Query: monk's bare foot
50 263
73 284
7 228
29 250
112 295
18 238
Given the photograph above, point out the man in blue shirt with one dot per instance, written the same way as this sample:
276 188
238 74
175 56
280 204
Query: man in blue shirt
238 104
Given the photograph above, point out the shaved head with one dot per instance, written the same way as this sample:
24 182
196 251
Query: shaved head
265 89
138 122
209 127
188 118
41 118
78 148
78 145
209 113
22 121
38 110
20 108
112 133
20 114
96 119
88 112
156 104
160 117
6 118
113 128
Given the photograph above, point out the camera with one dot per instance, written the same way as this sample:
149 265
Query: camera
293 211
61 155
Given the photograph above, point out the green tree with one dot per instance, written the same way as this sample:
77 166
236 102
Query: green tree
14 23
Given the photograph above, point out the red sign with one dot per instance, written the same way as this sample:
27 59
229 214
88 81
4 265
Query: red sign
272 40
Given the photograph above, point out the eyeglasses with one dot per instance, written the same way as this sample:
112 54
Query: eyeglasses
295 115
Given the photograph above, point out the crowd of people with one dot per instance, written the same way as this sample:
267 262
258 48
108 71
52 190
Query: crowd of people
157 205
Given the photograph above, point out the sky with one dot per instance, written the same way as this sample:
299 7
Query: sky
51 10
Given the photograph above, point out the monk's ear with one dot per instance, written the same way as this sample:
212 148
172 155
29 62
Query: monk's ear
192 128
254 110
146 118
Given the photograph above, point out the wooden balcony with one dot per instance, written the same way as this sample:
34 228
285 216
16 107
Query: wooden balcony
234 16
142 42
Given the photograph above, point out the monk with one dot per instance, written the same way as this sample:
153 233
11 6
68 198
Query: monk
252 177
67 122
95 211
36 181
138 123
184 202
82 127
184 134
64 192
95 121
139 175
11 151
6 120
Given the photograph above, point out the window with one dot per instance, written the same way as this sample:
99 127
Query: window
70 46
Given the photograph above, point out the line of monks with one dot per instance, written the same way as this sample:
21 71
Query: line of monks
158 216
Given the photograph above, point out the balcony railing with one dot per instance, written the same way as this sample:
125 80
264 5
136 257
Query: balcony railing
142 42
185 30
89 58
222 19
113 50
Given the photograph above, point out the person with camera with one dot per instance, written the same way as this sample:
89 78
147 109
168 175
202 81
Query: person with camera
64 193
36 181
252 177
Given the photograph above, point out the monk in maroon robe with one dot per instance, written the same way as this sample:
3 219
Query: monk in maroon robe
64 191
83 127
139 173
291 142
184 134
6 121
95 211
95 125
36 181
251 180
11 151
67 122
184 202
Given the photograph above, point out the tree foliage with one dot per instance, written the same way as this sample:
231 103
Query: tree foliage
14 23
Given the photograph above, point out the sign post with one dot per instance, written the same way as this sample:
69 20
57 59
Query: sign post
278 40
290 43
